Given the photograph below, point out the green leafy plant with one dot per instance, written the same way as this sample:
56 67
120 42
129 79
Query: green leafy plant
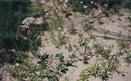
88 27
72 28
59 56
82 49
63 64
128 56
99 49
86 23
106 32
36 9
13 56
57 39
25 69
14 33
81 6
66 79
54 65
122 43
56 23
101 70
70 48
84 75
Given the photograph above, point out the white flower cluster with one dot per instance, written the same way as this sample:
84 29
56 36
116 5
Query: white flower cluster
46 15
64 1
28 20
62 32
24 26
84 6
17 64
37 72
92 2
82 2
59 28
43 1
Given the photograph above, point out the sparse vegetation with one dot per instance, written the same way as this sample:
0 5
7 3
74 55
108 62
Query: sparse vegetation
122 43
72 28
48 40
101 70
103 51
128 56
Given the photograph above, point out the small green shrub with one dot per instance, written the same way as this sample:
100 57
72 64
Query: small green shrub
14 34
72 28
49 66
24 70
128 56
54 65
86 6
101 70
12 56
99 49
56 23
122 43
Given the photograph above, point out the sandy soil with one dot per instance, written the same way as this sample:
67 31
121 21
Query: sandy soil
114 23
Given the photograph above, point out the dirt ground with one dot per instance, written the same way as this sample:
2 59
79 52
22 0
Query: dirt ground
114 23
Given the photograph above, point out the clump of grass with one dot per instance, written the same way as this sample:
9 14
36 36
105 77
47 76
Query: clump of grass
122 43
58 38
101 70
24 69
56 26
72 28
88 27
86 23
128 56
55 23
35 9
12 56
66 79
100 49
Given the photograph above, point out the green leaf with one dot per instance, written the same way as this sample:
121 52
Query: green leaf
45 56
44 65
50 78
35 55
60 56
70 49
67 62
62 67
83 44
